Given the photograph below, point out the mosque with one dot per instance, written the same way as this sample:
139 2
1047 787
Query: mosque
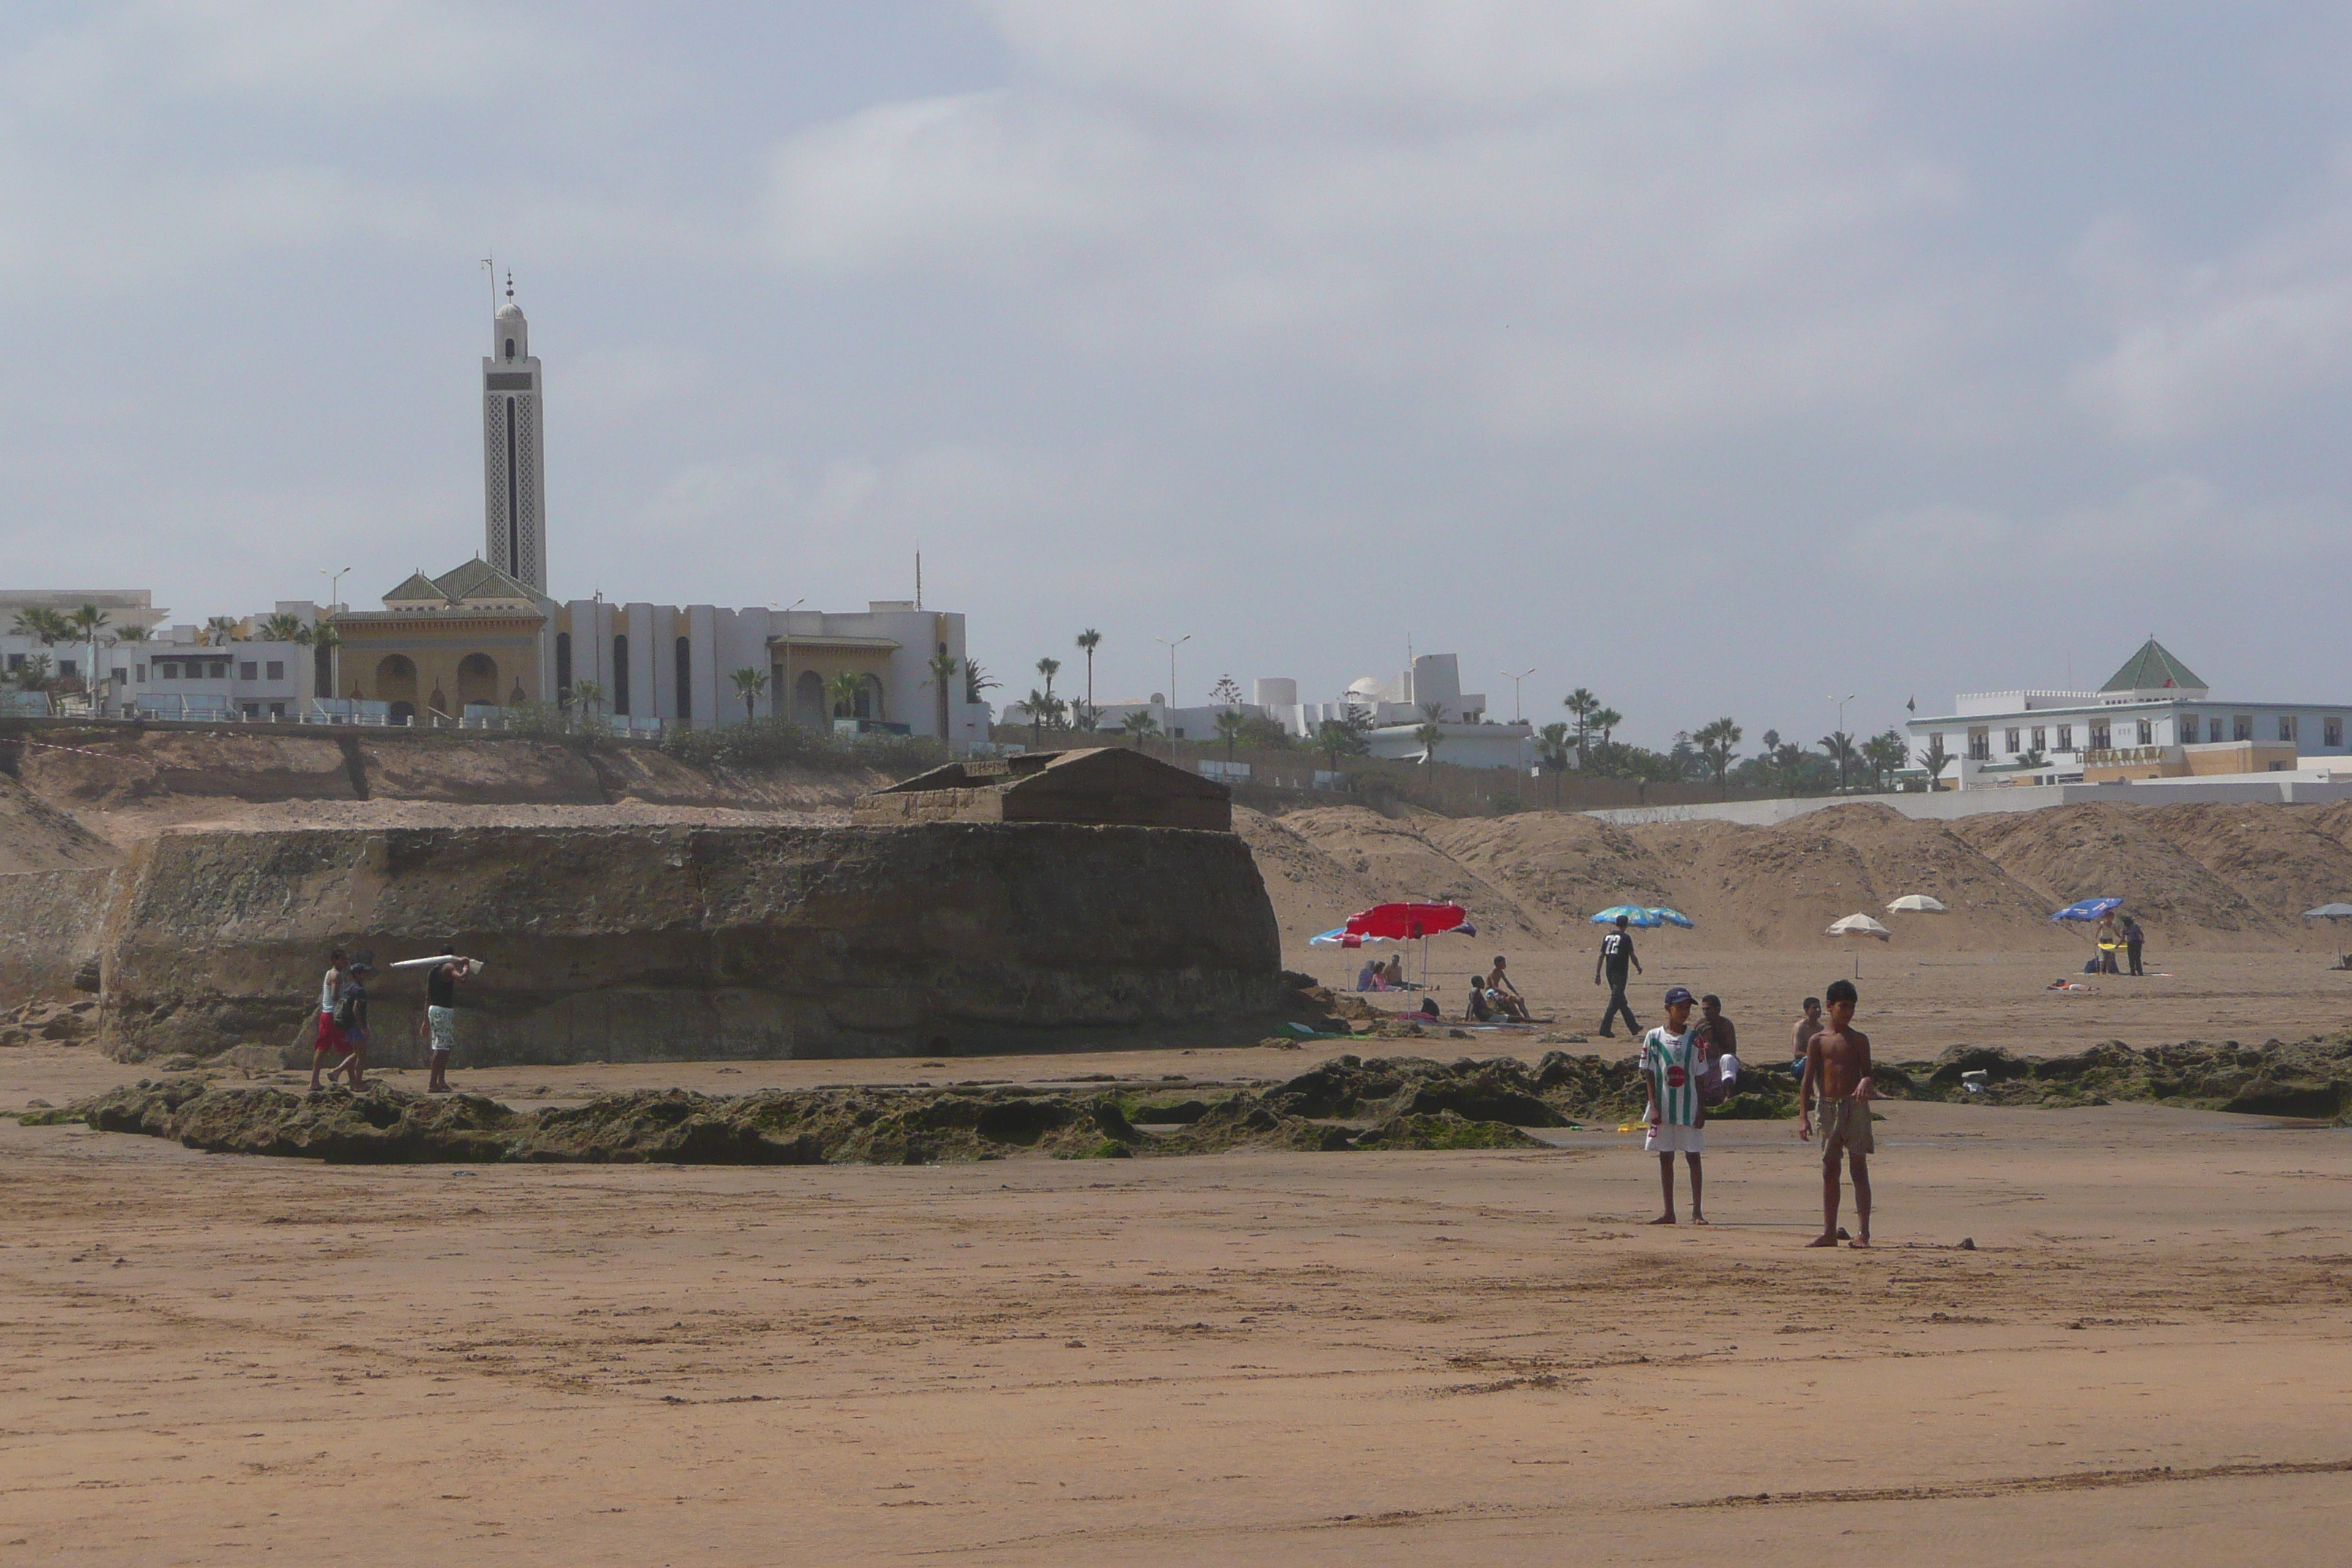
485 637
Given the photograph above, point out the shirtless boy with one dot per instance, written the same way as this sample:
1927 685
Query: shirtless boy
1837 1068
1807 1027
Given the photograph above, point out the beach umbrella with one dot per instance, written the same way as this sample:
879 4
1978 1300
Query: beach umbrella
1670 917
1400 922
1635 915
1917 904
2087 911
2331 913
1858 924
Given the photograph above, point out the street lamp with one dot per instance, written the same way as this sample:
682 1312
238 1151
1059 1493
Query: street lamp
1517 718
335 650
1171 648
781 702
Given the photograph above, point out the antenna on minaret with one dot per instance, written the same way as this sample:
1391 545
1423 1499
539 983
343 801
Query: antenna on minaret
918 579
490 265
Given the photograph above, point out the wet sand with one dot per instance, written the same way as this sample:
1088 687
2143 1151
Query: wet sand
1358 1357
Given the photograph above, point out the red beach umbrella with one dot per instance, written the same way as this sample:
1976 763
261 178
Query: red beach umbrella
1404 922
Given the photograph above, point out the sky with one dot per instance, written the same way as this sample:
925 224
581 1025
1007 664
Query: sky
1722 356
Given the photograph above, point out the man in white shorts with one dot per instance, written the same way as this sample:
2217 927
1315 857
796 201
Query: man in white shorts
1676 1119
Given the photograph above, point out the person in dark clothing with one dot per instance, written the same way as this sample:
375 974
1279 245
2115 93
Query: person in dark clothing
1616 955
441 1015
2132 937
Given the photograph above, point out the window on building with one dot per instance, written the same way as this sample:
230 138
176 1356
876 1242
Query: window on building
252 709
139 673
65 667
510 348
278 710
249 669
167 670
2214 731
1979 745
2289 730
564 667
2040 738
685 679
218 669
275 669
2100 737
2242 727
621 674
2146 733
15 661
2066 737
2333 727
2010 743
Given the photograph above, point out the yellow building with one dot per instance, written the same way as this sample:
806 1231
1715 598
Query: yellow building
472 635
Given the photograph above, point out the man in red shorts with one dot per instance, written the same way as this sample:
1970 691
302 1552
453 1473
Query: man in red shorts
330 1040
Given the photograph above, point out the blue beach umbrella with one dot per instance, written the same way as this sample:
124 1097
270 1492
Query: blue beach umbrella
2088 911
1635 915
1672 916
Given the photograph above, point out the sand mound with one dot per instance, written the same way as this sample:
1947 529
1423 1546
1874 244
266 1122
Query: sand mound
1311 890
1561 868
1396 859
2283 860
2074 852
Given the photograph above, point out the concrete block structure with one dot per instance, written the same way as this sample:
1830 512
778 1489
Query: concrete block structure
1105 786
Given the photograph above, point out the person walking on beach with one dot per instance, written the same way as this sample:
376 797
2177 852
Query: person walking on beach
1837 1068
1808 1026
1616 954
2133 937
329 1037
441 1014
352 1018
1675 1120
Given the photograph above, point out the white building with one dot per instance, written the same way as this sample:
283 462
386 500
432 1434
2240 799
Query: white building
1398 709
2152 720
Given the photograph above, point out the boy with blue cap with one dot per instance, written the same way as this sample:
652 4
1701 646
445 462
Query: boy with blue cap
1677 1121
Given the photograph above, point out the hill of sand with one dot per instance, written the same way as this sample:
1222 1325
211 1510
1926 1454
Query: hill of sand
36 836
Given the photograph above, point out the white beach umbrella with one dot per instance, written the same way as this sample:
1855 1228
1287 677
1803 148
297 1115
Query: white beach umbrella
1917 904
1858 924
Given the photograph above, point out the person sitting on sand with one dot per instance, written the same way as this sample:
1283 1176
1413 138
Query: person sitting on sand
1675 1120
1368 977
1718 1038
1837 1066
1394 973
1808 1026
1478 1010
1504 996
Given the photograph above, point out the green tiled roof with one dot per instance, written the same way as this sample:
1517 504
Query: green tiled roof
479 579
418 587
2153 669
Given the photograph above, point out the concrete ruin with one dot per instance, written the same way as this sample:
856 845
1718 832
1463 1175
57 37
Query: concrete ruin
690 941
1105 786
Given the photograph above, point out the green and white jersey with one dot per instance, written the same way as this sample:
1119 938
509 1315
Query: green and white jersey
1670 1061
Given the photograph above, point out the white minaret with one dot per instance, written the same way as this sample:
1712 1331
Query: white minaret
514 427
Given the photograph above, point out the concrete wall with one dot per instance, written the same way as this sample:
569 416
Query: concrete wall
1948 805
689 943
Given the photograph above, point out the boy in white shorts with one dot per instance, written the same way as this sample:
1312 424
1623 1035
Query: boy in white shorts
1676 1119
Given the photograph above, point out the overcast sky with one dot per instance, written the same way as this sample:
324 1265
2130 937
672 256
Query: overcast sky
1723 357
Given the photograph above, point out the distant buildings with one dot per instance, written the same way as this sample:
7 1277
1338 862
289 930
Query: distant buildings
480 639
2152 720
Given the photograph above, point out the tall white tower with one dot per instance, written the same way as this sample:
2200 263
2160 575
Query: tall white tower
514 428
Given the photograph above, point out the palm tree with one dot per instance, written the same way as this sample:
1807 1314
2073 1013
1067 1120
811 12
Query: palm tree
87 623
1343 737
1840 746
943 667
1085 715
1230 725
1884 752
44 624
284 628
1040 706
1555 745
1789 761
587 693
844 691
1049 667
221 630
1715 743
1138 724
1088 640
134 632
1431 735
1935 759
1582 706
325 638
749 682
977 680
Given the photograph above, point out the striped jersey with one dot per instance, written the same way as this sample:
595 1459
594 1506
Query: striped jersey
1671 1063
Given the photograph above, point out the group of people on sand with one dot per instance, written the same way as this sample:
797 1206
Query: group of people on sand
343 1019
2117 932
1687 1065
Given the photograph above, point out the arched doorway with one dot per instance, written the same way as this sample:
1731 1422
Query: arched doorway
808 698
478 679
869 698
396 680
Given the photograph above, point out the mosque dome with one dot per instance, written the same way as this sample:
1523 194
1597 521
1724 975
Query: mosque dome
1366 686
510 311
